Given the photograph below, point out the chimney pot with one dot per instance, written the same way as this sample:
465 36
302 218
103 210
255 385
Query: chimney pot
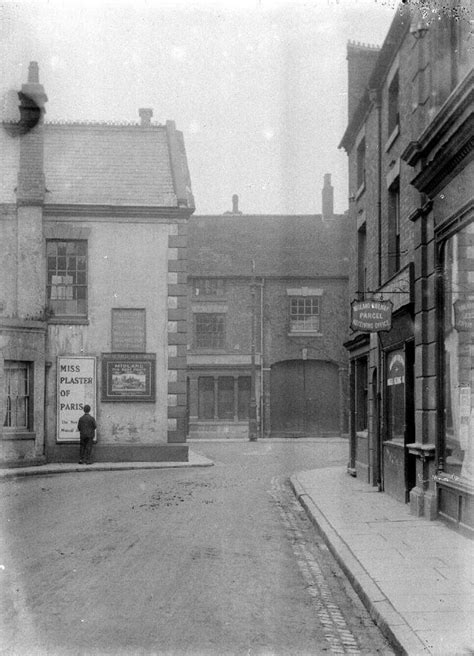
145 114
235 204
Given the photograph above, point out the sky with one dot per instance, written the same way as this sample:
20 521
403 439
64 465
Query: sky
258 87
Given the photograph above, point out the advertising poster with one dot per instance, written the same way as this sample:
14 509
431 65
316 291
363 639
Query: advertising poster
127 377
76 388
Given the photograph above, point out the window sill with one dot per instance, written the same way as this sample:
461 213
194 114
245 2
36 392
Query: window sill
397 442
11 434
69 321
305 333
392 138
209 350
362 434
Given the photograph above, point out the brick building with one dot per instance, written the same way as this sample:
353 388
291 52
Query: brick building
278 283
93 222
409 144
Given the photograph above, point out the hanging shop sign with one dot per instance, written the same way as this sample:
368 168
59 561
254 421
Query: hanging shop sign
76 386
371 316
128 377
464 314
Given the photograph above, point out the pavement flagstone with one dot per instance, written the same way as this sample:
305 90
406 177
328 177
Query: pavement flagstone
415 576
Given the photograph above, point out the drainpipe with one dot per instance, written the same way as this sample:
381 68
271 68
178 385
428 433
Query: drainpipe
262 285
253 401
440 417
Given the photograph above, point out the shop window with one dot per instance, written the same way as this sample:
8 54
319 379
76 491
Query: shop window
209 330
67 278
304 314
393 105
459 353
361 164
361 394
244 397
225 397
208 287
396 395
394 251
206 397
17 395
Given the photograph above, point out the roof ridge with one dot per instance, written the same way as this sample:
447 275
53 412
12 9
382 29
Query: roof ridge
103 123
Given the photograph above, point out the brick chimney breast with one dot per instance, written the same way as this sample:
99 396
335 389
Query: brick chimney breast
145 114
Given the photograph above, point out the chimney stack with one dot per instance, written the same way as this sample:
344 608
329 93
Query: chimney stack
31 184
145 114
327 198
235 205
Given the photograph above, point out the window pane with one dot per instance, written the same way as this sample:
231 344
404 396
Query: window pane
210 330
459 354
304 314
244 397
225 397
396 395
206 397
16 394
63 280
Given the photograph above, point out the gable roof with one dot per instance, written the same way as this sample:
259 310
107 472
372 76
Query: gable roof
283 246
114 164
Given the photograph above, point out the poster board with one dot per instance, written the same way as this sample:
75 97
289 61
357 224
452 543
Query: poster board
76 387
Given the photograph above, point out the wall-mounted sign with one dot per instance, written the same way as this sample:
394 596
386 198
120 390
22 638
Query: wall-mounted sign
128 330
128 377
76 385
464 314
371 316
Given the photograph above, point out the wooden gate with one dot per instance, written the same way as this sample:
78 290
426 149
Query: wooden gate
304 398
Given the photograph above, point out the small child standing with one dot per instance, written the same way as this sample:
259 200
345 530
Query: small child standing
86 427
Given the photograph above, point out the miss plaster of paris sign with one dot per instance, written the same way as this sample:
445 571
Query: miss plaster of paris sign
371 316
76 388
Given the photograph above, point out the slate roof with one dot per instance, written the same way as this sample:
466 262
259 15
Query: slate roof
108 164
283 246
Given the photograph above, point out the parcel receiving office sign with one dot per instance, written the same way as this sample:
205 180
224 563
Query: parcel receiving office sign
371 316
76 388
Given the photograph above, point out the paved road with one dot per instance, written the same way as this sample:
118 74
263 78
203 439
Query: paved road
213 561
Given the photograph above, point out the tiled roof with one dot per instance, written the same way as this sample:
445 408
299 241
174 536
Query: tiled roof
108 164
294 246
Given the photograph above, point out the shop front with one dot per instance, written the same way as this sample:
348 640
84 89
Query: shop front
455 476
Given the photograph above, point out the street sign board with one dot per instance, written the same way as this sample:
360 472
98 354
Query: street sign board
371 316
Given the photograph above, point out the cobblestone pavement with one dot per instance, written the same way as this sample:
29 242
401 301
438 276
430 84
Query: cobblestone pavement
213 561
